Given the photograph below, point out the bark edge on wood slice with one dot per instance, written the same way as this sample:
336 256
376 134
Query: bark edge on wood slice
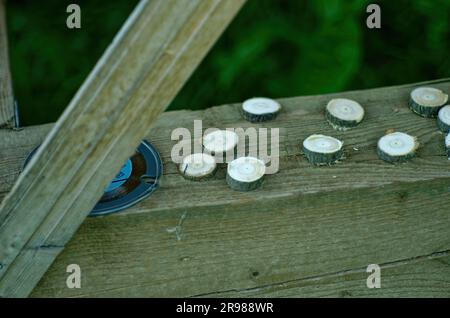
447 145
198 166
245 173
426 101
220 142
343 114
397 147
323 150
260 109
443 119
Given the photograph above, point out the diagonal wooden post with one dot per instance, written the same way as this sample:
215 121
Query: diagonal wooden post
7 114
150 59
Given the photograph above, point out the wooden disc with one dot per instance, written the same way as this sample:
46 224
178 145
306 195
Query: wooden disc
426 101
397 147
220 141
198 166
260 109
321 150
447 144
444 119
245 173
344 113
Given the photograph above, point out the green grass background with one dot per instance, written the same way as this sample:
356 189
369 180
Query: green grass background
273 48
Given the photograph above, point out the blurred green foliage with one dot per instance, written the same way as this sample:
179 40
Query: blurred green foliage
273 48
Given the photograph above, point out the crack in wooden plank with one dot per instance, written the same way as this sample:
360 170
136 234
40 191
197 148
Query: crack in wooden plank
412 260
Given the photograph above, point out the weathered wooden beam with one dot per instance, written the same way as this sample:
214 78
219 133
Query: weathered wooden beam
423 277
7 113
308 231
150 59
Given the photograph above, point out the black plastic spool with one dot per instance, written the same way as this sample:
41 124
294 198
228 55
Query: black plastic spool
146 171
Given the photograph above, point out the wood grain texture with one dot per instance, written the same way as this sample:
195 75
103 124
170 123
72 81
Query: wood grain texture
423 277
305 222
150 59
7 113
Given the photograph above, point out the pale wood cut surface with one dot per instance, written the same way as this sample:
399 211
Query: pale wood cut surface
6 92
148 62
309 231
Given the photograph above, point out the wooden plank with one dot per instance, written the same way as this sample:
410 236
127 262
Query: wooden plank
304 222
150 59
7 114
191 252
428 276
14 147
